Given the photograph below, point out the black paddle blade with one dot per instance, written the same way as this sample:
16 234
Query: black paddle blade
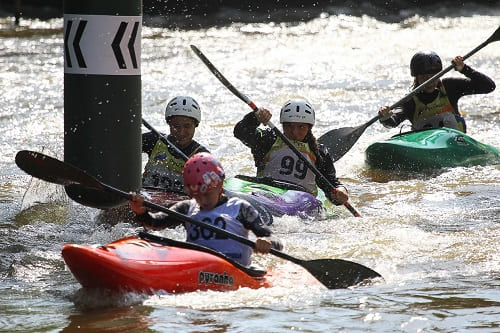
79 185
339 141
495 37
52 170
338 273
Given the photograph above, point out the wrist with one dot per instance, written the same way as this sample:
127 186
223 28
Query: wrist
465 70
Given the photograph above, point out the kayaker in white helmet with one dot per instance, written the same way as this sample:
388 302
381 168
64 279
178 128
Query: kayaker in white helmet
437 105
164 167
203 180
273 158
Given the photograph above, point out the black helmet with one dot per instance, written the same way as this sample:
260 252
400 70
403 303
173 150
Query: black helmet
425 63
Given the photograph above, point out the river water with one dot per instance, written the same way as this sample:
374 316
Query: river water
433 236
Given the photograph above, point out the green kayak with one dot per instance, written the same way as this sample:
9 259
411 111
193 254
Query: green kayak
429 149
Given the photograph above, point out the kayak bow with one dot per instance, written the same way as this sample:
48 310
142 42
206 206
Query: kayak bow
429 149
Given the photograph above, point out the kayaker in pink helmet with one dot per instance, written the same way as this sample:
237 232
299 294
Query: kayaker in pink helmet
203 179
437 105
164 167
273 158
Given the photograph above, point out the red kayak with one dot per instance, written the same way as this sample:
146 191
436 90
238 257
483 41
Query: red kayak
149 263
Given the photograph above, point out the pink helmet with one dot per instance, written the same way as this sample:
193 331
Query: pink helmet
202 172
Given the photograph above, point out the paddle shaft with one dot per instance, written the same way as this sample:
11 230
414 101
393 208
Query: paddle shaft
310 165
252 105
186 219
181 217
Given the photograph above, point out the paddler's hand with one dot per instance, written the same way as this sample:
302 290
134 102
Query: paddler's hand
136 203
263 116
263 245
458 63
339 195
384 113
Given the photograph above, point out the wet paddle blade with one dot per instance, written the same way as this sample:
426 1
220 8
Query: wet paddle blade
338 273
52 170
495 37
334 273
339 141
78 184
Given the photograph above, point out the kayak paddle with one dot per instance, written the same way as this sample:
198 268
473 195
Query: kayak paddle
333 273
340 141
245 99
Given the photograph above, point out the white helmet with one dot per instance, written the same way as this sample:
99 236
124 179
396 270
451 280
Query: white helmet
297 111
183 106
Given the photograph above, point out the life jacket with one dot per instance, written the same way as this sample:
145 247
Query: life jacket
163 170
281 163
438 113
224 217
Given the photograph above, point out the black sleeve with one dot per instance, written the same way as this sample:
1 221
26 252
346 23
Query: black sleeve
251 220
325 167
474 83
400 114
245 130
259 140
477 82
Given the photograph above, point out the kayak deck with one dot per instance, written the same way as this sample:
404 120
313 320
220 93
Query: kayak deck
429 149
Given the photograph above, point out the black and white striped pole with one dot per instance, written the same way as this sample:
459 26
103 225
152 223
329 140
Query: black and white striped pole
102 95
